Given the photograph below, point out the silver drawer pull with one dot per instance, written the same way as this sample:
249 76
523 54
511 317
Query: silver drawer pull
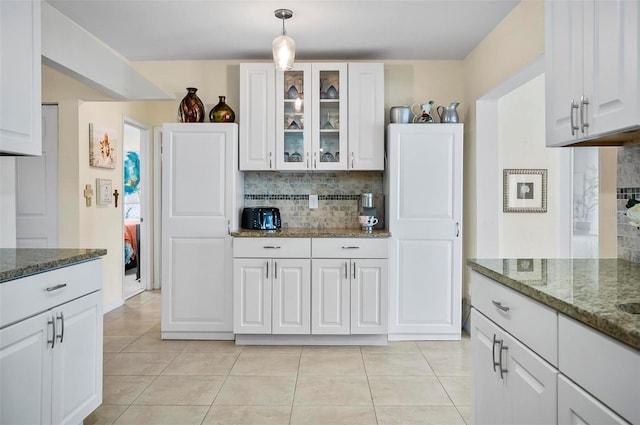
350 247
271 247
499 305
55 288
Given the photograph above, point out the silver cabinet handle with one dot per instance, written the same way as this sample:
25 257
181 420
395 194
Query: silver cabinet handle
354 269
584 102
353 158
55 288
457 229
272 247
52 341
315 160
270 160
228 227
307 155
275 269
350 247
574 127
267 270
61 318
493 352
499 305
346 266
503 369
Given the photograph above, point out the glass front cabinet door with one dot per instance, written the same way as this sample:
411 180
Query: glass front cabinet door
311 129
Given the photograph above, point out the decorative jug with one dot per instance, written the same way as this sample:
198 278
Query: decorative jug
422 112
448 114
222 112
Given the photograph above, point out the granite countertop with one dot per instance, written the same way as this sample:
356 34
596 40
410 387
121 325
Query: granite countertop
21 262
588 290
311 233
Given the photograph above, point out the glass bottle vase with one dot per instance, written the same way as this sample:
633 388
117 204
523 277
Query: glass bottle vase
191 108
222 112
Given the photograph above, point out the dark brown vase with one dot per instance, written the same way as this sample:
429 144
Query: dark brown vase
222 112
191 108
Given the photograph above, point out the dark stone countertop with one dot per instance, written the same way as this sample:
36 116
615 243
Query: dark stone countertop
587 290
21 262
311 233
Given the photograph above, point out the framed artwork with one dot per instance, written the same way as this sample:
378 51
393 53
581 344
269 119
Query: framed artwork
525 191
531 271
102 147
104 191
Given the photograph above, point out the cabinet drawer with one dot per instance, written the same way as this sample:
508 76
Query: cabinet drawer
532 323
24 297
350 248
607 369
271 247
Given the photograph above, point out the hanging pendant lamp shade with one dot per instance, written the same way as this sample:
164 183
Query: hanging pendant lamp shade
284 48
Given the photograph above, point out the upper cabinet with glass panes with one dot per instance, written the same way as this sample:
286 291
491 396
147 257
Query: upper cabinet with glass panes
313 109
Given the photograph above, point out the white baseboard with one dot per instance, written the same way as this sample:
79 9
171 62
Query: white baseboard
109 307
211 336
425 337
253 339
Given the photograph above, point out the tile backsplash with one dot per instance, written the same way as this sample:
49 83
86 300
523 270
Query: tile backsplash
628 188
338 194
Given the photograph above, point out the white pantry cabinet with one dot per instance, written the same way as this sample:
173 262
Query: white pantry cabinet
328 116
423 187
51 362
592 69
20 85
200 206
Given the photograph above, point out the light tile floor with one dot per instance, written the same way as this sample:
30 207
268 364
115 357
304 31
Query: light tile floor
150 381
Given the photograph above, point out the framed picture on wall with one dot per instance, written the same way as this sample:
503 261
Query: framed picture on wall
102 147
525 191
103 188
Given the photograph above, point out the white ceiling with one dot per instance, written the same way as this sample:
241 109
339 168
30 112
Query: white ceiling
322 29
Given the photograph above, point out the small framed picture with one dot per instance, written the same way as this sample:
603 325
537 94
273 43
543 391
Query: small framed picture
104 191
531 271
525 191
102 147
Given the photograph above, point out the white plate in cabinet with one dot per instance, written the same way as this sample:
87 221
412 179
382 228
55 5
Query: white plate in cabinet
350 248
271 247
517 313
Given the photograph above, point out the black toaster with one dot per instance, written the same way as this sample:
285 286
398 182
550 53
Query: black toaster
261 218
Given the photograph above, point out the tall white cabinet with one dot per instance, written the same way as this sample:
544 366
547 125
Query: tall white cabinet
423 187
201 201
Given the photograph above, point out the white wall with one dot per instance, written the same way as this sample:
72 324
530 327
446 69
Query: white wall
7 202
521 139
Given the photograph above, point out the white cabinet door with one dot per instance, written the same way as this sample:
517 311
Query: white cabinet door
369 296
330 297
576 406
291 296
199 179
20 82
77 364
25 371
424 188
611 64
252 296
366 116
563 70
487 390
257 116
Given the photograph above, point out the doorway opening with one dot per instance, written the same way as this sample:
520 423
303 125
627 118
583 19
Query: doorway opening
136 185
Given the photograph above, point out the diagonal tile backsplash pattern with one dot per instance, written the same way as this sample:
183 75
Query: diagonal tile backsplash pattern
338 194
628 188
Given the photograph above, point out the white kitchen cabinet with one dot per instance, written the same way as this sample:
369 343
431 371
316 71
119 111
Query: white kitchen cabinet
200 206
349 286
328 116
512 384
271 282
257 117
366 116
576 406
51 362
423 187
591 87
20 85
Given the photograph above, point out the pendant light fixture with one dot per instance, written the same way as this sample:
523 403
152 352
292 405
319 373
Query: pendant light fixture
284 48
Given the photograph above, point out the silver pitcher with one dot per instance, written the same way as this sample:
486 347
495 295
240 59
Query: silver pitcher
448 114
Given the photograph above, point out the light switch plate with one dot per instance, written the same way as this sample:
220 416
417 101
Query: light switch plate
313 201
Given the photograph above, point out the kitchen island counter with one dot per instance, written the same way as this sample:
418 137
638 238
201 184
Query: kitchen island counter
591 291
311 233
21 262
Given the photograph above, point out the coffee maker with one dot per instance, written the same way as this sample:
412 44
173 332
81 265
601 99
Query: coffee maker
371 211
